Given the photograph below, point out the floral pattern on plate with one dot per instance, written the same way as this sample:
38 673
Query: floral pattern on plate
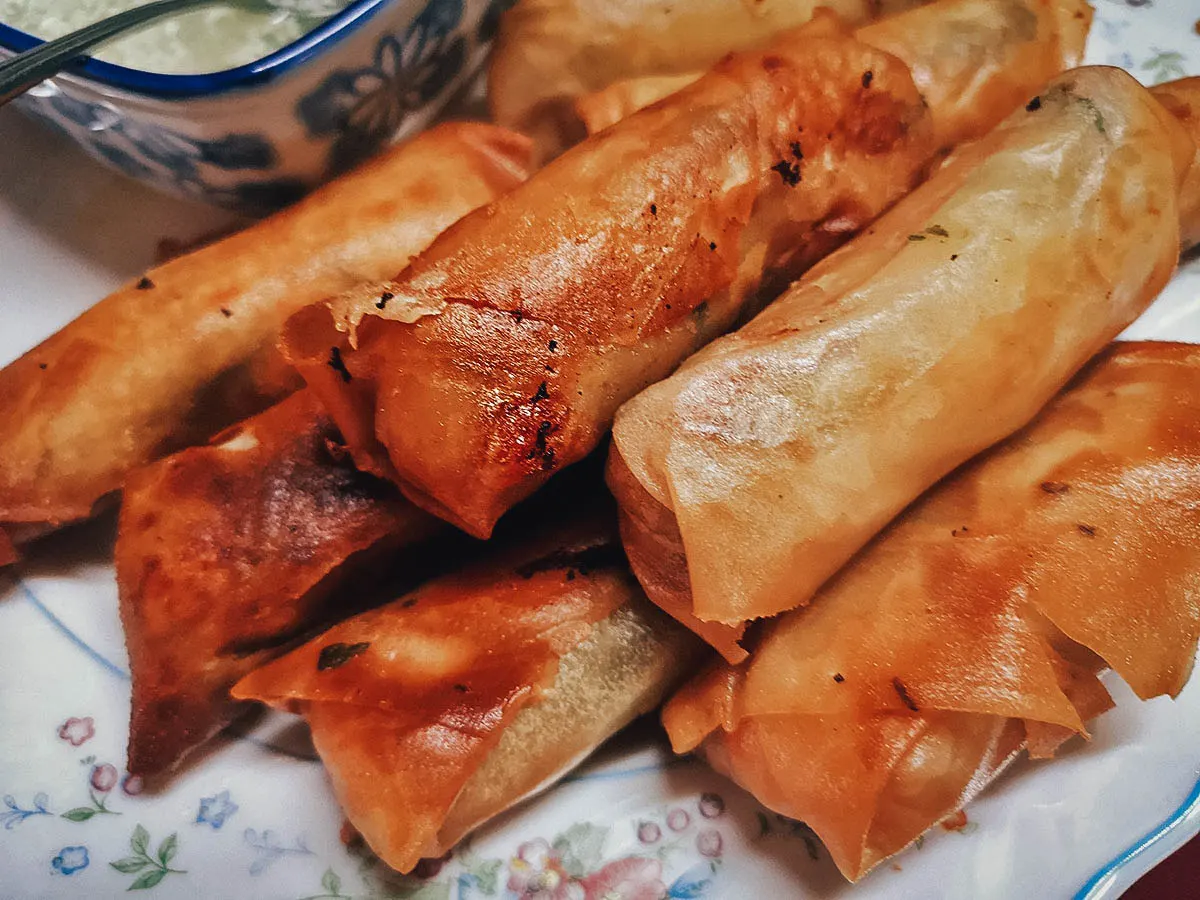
255 816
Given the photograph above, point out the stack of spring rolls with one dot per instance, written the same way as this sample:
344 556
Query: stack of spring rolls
900 609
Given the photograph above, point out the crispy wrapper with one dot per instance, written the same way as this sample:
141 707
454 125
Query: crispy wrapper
974 61
188 349
1182 100
439 711
501 354
787 445
975 624
228 555
550 51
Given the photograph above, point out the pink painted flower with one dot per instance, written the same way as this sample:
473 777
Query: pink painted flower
104 777
77 731
634 878
132 785
678 819
709 842
649 832
711 805
537 872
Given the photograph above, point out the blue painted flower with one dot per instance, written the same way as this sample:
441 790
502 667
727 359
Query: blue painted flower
366 106
70 860
692 884
215 810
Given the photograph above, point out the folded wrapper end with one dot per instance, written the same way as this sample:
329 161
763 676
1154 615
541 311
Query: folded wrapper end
439 711
229 554
655 551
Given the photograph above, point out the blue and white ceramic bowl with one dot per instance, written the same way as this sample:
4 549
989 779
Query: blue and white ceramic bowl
258 136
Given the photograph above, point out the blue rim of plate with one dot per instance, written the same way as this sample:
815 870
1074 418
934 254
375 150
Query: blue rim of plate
1099 884
1095 888
178 87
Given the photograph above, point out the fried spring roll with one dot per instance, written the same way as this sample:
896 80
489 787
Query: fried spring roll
973 626
550 51
787 445
1182 100
441 710
967 57
500 355
229 554
188 349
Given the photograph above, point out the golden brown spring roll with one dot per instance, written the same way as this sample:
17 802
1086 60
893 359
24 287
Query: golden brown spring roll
550 51
967 57
439 711
500 355
974 624
228 554
787 445
188 348
1182 99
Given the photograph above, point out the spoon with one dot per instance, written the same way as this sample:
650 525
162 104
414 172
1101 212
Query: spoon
25 70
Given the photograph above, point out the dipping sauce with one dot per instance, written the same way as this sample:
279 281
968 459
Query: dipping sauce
208 39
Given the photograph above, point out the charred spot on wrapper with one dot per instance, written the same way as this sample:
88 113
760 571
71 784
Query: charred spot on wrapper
937 231
1033 105
789 172
839 677
383 299
145 284
335 655
227 312
902 693
1087 530
540 448
552 346
867 78
338 364
541 393
1055 487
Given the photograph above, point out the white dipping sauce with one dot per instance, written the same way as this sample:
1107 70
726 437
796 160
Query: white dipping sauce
207 39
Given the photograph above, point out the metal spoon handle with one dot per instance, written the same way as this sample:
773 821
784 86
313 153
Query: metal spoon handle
23 71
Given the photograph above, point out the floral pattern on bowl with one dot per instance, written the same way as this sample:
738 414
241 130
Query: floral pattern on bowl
384 74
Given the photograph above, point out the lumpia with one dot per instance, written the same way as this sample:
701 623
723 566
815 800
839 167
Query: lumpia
974 625
439 711
188 348
228 555
787 445
549 51
500 355
966 56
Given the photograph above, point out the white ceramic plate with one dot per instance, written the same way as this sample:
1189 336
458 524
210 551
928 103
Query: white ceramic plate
255 817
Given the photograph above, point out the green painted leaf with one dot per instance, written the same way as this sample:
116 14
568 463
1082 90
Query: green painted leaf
79 814
130 864
428 892
487 874
167 849
581 847
331 882
140 840
148 880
